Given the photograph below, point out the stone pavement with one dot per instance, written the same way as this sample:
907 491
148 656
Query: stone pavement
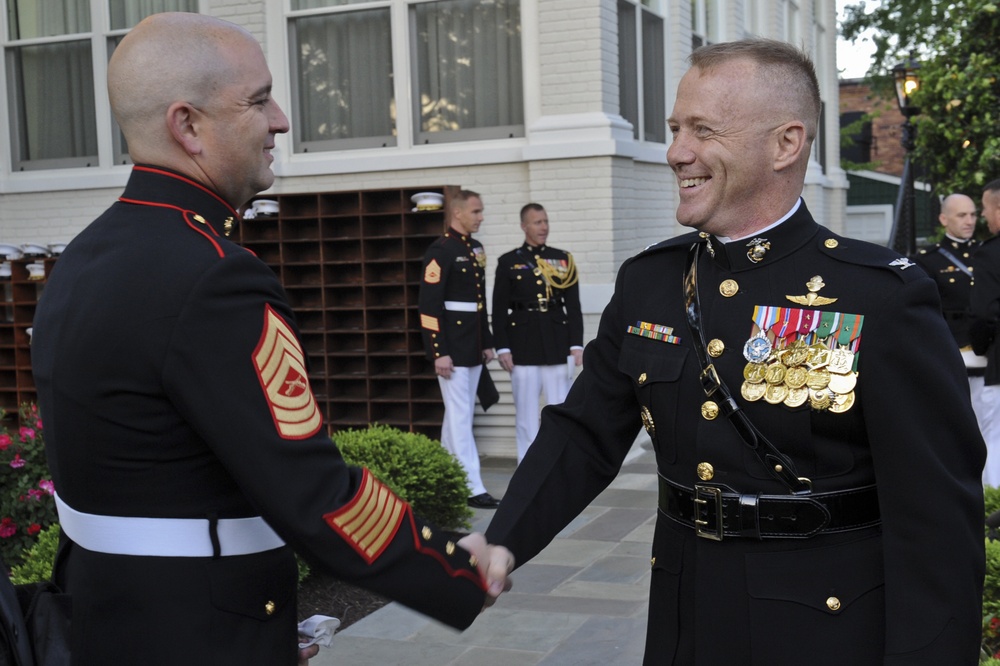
581 601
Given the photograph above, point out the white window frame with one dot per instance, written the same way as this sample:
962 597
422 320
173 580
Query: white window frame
112 166
407 133
639 82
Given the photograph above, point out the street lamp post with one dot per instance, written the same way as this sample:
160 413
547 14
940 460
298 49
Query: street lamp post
903 238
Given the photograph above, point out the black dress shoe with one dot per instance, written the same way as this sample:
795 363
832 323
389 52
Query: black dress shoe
484 501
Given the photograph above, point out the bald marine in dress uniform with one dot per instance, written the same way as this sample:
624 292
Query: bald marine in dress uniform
537 322
814 506
456 331
188 452
950 263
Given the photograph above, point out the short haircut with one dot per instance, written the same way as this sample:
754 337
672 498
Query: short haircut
459 200
530 206
785 67
993 187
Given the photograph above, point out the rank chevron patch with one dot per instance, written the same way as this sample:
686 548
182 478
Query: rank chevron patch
281 368
369 522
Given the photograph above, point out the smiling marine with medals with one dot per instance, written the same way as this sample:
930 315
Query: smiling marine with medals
812 503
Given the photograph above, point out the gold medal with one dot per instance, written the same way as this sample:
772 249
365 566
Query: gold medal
843 383
796 355
842 403
819 355
795 377
775 394
797 397
752 392
820 400
818 379
775 373
841 361
754 372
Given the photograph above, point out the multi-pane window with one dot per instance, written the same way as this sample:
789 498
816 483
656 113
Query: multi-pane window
641 70
51 83
704 22
464 77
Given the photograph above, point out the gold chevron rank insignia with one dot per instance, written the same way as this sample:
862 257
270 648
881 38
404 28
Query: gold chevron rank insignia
281 368
432 273
369 522
429 322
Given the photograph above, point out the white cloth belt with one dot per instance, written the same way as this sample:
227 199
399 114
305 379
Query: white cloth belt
461 306
165 537
972 360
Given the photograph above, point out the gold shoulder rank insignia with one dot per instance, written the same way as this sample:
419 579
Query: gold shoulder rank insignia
432 273
812 298
369 522
281 368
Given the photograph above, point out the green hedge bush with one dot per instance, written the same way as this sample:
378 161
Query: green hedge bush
415 467
38 559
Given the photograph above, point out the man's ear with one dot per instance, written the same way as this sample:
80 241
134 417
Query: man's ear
181 121
790 142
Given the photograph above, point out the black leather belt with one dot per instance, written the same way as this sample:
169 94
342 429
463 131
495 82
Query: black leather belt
715 512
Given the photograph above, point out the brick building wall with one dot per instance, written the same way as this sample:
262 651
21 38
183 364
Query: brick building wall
886 150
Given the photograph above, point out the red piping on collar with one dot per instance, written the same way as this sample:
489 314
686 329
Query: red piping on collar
189 182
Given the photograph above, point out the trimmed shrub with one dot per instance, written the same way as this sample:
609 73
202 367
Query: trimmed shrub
39 558
415 467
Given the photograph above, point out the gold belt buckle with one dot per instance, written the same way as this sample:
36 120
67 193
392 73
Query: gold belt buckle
543 305
703 495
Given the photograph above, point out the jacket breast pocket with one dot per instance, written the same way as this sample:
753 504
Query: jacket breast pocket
836 592
655 369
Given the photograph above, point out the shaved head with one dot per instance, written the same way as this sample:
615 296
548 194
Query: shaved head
167 58
192 93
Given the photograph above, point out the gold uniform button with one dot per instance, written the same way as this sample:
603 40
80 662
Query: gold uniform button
709 410
652 561
716 347
199 219
833 603
459 322
269 608
538 281
729 288
642 379
705 471
449 548
426 533
831 243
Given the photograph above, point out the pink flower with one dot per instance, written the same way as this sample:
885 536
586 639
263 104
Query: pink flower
17 462
5 441
7 528
47 486
26 433
35 494
38 424
34 528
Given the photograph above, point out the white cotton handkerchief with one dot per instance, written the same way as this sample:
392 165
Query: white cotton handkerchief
319 629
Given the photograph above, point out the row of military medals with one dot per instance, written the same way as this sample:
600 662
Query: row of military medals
795 356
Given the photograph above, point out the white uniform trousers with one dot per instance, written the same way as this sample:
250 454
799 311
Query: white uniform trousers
459 393
528 383
986 404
